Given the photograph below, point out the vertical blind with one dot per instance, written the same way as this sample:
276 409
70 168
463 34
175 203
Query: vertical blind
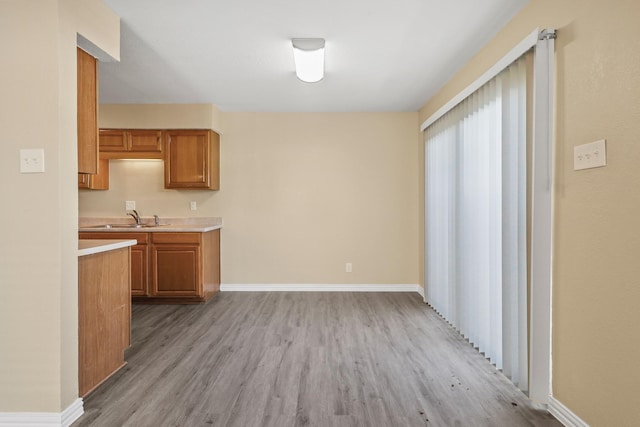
475 209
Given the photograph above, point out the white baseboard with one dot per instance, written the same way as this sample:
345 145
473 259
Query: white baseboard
564 414
420 290
43 419
297 287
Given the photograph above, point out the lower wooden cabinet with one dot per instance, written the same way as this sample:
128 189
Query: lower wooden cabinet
104 316
139 257
185 266
139 269
171 267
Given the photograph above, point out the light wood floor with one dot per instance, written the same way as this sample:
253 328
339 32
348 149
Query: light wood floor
294 359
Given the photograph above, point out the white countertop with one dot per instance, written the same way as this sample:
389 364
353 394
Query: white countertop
96 246
195 224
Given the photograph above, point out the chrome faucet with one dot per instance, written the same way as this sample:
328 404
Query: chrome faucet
156 219
135 216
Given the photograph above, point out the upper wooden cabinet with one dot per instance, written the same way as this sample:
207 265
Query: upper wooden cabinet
87 113
131 144
99 181
192 159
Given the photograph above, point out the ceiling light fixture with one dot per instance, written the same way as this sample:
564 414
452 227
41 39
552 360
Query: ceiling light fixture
308 55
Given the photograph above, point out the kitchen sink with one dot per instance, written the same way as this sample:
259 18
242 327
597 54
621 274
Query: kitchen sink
123 226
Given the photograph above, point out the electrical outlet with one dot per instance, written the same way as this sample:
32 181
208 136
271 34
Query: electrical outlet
32 160
130 205
194 206
348 267
592 155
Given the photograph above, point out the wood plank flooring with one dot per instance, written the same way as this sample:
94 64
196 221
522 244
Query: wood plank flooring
304 359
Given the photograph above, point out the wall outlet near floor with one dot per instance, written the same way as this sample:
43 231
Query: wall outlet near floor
592 155
194 206
130 205
348 267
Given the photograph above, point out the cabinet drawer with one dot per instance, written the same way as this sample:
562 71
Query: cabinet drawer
142 238
176 238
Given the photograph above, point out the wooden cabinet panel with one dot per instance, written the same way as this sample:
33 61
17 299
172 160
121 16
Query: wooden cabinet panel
87 113
139 270
100 181
192 159
140 238
211 262
176 238
113 140
104 316
131 144
176 270
83 180
146 140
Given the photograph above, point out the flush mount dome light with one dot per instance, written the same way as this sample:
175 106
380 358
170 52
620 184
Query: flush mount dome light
308 55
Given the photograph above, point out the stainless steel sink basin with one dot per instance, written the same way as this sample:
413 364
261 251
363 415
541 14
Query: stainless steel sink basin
123 226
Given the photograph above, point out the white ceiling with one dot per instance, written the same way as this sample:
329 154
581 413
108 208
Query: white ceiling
381 55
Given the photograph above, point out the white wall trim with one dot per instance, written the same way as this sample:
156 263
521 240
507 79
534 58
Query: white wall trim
564 414
43 419
313 287
515 53
541 223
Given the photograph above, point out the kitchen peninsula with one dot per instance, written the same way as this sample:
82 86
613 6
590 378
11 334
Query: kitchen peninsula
175 260
104 310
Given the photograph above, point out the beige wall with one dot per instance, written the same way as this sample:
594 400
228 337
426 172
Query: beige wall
301 194
596 274
38 261
161 116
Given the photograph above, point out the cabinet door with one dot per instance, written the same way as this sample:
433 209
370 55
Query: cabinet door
139 270
100 181
176 266
113 140
146 140
192 159
87 113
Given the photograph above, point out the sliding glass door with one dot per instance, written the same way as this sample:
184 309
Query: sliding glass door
476 220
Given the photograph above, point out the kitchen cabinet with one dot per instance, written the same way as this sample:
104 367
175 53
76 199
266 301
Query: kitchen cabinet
131 144
87 67
99 181
104 316
139 258
185 266
192 159
176 265
171 267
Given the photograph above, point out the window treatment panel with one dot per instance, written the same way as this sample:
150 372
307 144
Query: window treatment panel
475 205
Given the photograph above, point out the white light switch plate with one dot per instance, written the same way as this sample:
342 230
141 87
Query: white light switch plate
592 155
130 205
32 160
